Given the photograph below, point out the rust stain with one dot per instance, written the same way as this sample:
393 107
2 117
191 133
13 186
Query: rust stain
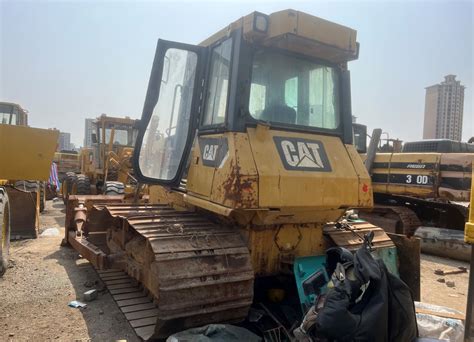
239 189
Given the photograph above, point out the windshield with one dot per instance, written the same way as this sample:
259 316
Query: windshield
295 91
121 136
124 135
8 114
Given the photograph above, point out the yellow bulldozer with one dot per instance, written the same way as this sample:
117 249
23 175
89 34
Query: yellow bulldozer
246 142
26 161
105 168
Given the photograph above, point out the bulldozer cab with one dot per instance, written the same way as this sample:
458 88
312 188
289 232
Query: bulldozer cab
266 88
13 114
266 91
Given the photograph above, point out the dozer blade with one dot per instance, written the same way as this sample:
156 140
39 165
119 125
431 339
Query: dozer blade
23 214
196 271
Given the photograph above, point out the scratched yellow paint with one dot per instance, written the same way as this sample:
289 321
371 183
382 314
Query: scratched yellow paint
253 177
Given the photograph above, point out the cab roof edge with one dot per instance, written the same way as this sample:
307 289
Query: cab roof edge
295 31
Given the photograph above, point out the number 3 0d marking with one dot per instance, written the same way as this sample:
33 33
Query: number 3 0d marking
420 179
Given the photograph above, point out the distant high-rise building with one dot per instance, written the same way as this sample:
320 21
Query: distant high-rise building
444 104
89 128
64 142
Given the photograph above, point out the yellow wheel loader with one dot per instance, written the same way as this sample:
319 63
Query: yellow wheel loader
105 168
246 140
27 153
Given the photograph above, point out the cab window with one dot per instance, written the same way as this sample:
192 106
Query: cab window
294 91
216 102
8 114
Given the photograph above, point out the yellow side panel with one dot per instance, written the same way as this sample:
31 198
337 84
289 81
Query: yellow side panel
366 198
235 184
199 179
26 153
280 188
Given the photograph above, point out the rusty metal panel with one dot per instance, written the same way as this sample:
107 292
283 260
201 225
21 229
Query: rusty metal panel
409 251
89 251
353 239
274 247
24 213
88 202
232 182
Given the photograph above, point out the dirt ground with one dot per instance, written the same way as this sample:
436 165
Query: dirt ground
46 277
435 292
43 280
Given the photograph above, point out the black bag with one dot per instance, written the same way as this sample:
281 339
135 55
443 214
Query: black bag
380 309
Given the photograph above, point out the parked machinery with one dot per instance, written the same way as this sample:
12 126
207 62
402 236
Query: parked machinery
26 161
105 168
67 162
424 188
248 140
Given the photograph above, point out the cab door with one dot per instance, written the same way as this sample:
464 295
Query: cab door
170 114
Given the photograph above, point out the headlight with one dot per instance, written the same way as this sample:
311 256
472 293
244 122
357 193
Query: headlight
260 22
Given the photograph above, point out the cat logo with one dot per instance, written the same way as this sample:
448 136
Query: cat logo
302 154
210 152
214 151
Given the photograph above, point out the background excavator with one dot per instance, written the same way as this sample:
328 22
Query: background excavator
246 142
421 188
106 167
23 165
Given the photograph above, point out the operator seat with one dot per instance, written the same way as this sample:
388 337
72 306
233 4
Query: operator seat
279 113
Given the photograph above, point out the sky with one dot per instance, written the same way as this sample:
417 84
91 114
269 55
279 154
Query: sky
71 60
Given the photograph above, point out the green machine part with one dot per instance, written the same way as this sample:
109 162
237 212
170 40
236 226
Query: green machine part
311 276
305 268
